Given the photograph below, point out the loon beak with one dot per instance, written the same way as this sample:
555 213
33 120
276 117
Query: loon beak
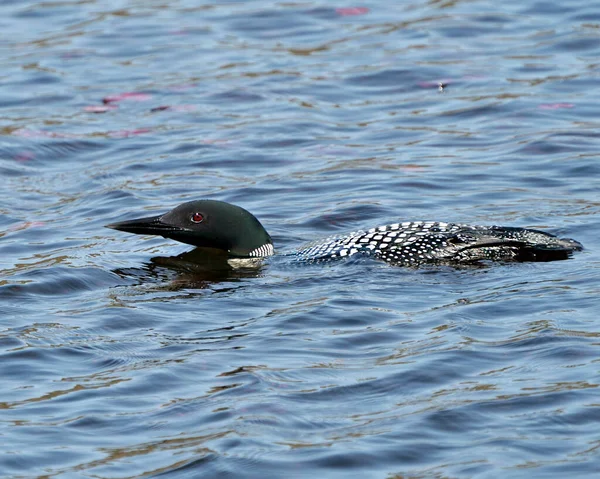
152 225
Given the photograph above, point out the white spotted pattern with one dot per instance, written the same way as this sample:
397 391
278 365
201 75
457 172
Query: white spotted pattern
413 243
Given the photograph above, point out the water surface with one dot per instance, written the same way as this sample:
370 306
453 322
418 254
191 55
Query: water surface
320 118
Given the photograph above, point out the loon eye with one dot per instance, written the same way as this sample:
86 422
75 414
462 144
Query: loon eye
197 218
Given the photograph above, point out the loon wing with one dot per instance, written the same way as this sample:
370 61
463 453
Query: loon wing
497 243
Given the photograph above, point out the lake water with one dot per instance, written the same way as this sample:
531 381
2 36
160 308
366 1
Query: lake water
319 118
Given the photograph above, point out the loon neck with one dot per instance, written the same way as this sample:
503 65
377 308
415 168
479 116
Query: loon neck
245 235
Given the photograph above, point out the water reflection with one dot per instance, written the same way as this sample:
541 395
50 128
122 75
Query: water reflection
199 268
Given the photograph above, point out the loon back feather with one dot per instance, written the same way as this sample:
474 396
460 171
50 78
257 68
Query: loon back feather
414 243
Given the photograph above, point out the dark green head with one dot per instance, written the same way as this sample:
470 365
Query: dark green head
207 224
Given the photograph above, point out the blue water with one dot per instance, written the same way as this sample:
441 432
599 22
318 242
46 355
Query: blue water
117 361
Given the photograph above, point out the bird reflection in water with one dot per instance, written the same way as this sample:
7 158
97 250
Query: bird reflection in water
199 268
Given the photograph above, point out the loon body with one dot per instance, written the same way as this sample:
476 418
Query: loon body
238 234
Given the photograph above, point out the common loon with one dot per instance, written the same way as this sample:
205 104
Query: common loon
237 233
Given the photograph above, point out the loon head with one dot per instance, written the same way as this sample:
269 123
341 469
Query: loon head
207 224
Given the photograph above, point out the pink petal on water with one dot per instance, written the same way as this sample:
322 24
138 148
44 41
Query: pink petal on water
25 225
99 108
349 11
73 54
24 156
128 133
128 95
27 133
214 141
555 106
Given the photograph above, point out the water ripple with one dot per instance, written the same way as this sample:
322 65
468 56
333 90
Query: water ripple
124 356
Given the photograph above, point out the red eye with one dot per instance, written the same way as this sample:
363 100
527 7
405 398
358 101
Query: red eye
197 218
